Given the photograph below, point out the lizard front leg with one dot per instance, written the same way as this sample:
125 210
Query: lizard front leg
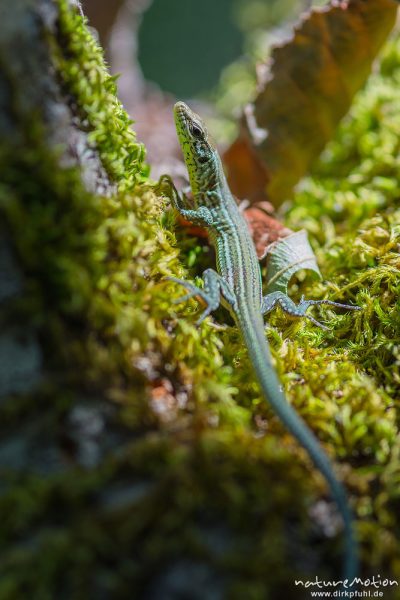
270 301
198 216
214 287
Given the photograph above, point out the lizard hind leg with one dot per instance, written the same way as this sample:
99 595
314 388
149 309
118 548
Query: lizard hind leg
270 301
214 286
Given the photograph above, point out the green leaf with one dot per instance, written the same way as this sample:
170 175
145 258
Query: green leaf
286 257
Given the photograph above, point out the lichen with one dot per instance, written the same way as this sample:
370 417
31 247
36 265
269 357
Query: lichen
182 467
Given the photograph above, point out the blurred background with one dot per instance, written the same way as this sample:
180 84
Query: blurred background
205 53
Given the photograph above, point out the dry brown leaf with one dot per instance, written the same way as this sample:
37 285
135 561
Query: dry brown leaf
265 230
307 89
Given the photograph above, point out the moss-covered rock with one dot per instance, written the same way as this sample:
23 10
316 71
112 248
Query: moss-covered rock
141 461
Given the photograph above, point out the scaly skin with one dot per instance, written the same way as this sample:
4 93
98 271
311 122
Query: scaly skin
238 285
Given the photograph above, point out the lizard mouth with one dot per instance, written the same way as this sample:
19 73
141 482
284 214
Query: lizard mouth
189 126
181 107
182 114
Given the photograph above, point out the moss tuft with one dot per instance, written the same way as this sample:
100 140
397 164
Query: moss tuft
79 61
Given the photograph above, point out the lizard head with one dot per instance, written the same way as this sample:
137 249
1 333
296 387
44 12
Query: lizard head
199 152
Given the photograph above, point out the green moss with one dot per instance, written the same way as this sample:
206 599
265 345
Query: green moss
350 206
192 470
79 60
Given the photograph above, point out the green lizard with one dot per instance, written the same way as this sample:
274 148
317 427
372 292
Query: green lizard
238 286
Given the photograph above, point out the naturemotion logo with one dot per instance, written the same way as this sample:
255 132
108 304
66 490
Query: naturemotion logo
371 587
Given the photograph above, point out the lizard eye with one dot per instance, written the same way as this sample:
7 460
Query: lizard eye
196 131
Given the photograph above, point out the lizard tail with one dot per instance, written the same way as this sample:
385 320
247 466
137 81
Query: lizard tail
252 329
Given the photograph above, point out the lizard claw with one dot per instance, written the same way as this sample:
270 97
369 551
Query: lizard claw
317 323
299 310
192 289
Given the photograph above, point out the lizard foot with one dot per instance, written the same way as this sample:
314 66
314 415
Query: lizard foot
270 301
212 301
214 287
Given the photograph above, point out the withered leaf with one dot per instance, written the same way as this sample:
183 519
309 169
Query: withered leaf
286 257
265 230
307 89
